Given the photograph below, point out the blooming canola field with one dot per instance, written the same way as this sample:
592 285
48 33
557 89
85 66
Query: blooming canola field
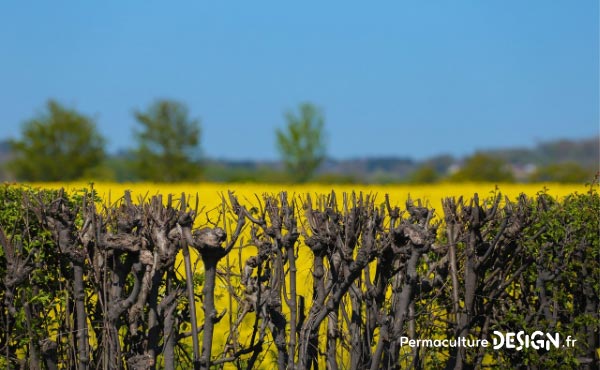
209 194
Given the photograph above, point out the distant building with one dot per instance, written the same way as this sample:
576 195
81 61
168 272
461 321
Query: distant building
522 172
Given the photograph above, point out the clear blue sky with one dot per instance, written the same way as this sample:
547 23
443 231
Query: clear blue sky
394 78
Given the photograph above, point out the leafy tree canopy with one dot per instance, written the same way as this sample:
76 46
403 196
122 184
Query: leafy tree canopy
168 143
302 143
567 172
425 174
483 167
58 145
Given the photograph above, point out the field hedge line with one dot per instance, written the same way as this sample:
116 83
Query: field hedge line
91 285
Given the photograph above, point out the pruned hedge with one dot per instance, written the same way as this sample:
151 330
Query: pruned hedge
91 285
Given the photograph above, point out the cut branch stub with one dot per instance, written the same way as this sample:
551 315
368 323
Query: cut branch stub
209 239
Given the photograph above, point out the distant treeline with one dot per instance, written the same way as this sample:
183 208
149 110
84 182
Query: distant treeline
576 163
568 161
62 144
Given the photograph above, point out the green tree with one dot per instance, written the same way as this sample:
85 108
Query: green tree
168 143
567 172
424 174
483 167
58 145
302 143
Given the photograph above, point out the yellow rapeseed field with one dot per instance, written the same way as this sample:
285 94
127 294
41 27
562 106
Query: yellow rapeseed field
209 196
209 193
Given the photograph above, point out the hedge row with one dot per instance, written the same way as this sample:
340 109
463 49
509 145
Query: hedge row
92 285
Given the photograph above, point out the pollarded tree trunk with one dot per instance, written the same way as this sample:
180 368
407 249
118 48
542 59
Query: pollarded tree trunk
309 341
329 238
494 258
186 220
453 230
189 278
208 242
277 320
473 217
210 259
358 334
410 241
400 305
166 310
275 233
81 315
292 302
60 220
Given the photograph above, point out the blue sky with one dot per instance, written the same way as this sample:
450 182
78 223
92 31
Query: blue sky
394 78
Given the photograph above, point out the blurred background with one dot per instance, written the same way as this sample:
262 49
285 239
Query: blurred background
336 92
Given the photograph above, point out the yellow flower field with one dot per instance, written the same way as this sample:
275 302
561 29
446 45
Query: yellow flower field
209 193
